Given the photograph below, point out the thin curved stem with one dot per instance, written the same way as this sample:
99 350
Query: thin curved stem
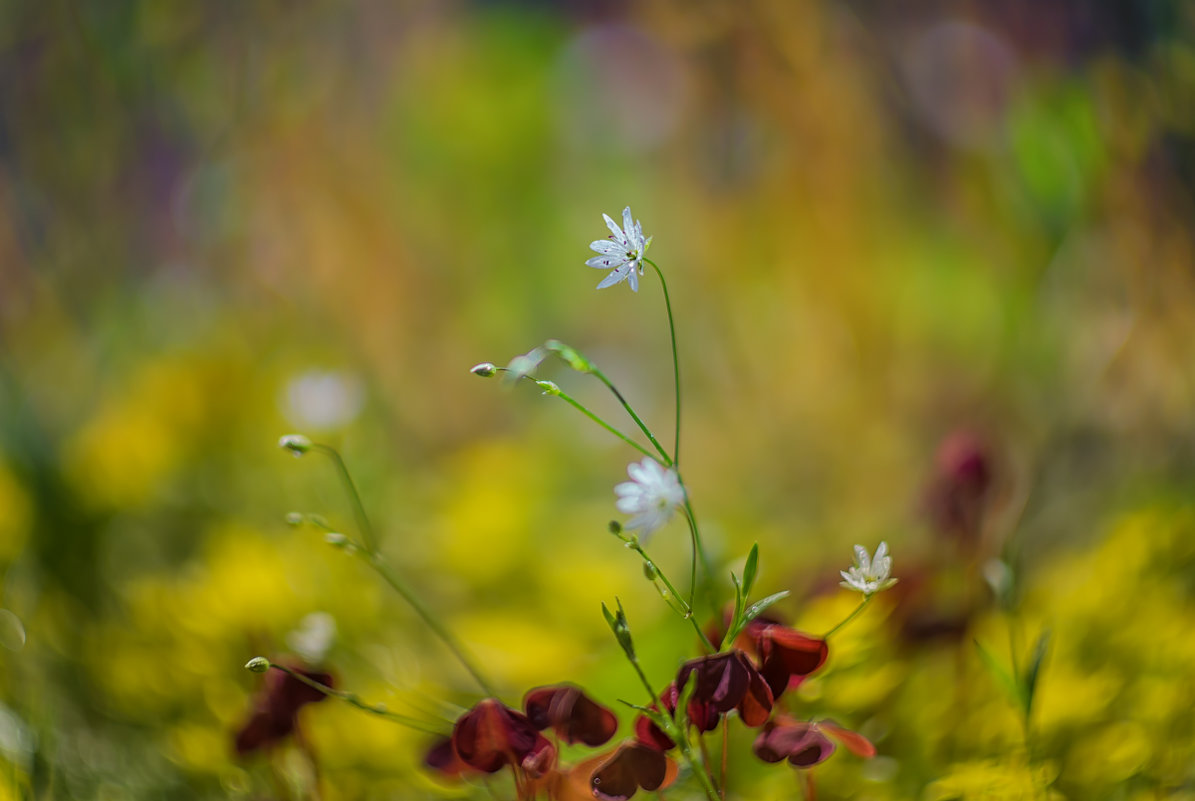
368 550
351 698
449 639
850 617
678 736
698 551
686 608
675 358
342 470
571 401
664 457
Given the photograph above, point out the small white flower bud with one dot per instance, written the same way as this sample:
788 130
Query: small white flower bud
295 443
549 387
258 664
485 369
294 519
336 539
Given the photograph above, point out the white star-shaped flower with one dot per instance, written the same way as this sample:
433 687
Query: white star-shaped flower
869 575
622 253
652 495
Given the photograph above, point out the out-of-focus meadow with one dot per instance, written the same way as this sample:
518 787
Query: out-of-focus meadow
933 268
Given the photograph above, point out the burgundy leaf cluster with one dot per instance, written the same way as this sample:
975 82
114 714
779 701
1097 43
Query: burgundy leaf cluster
768 659
491 736
731 681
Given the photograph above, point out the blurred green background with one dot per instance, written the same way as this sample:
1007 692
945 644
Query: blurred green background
886 227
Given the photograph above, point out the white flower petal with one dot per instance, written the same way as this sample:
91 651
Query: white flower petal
628 488
619 275
862 560
614 229
633 278
608 247
628 224
644 472
651 497
605 262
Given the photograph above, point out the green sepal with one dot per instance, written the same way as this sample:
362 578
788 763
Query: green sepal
622 631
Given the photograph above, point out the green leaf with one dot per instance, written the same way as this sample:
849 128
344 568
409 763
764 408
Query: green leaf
750 569
757 608
1001 674
1033 670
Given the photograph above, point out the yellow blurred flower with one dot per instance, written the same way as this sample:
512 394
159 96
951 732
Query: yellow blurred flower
994 780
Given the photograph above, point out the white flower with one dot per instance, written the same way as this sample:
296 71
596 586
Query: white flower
622 253
868 575
524 365
651 496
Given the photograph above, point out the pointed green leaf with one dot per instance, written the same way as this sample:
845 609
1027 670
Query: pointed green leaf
750 569
757 608
1033 670
1001 674
610 620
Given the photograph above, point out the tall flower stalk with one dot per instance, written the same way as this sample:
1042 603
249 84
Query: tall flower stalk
367 549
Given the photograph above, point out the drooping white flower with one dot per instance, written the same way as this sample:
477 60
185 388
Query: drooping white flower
652 495
869 575
622 253
524 365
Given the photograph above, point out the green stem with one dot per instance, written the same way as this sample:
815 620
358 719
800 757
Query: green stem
350 487
698 553
585 411
664 457
571 401
351 698
383 569
677 736
675 359
850 617
368 550
686 608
